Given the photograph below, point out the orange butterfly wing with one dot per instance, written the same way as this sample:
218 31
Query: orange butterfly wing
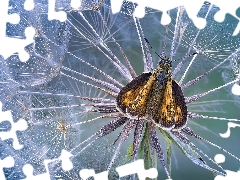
179 106
133 97
164 114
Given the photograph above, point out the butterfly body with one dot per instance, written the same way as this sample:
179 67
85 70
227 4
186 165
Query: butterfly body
154 96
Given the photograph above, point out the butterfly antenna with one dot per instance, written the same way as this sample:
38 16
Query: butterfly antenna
163 58
153 49
187 56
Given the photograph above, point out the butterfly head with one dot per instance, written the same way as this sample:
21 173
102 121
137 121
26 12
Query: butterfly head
165 60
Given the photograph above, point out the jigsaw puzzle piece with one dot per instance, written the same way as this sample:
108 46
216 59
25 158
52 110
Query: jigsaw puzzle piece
13 45
137 167
231 8
7 163
164 7
191 9
65 162
28 171
20 125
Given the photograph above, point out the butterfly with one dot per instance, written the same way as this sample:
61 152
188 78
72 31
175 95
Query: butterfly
155 96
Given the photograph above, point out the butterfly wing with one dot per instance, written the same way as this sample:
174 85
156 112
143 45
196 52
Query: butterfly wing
132 98
164 113
180 106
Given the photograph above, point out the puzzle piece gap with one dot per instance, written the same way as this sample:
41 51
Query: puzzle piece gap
29 5
66 163
227 133
165 20
75 4
52 14
190 9
219 158
66 166
87 173
13 18
219 16
20 125
236 87
137 167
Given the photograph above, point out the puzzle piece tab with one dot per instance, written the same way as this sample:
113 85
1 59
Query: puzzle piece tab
87 173
164 7
76 4
8 45
137 167
52 14
29 5
192 8
28 171
21 125
65 161
231 175
236 88
227 133
227 7
219 158
7 163
65 158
